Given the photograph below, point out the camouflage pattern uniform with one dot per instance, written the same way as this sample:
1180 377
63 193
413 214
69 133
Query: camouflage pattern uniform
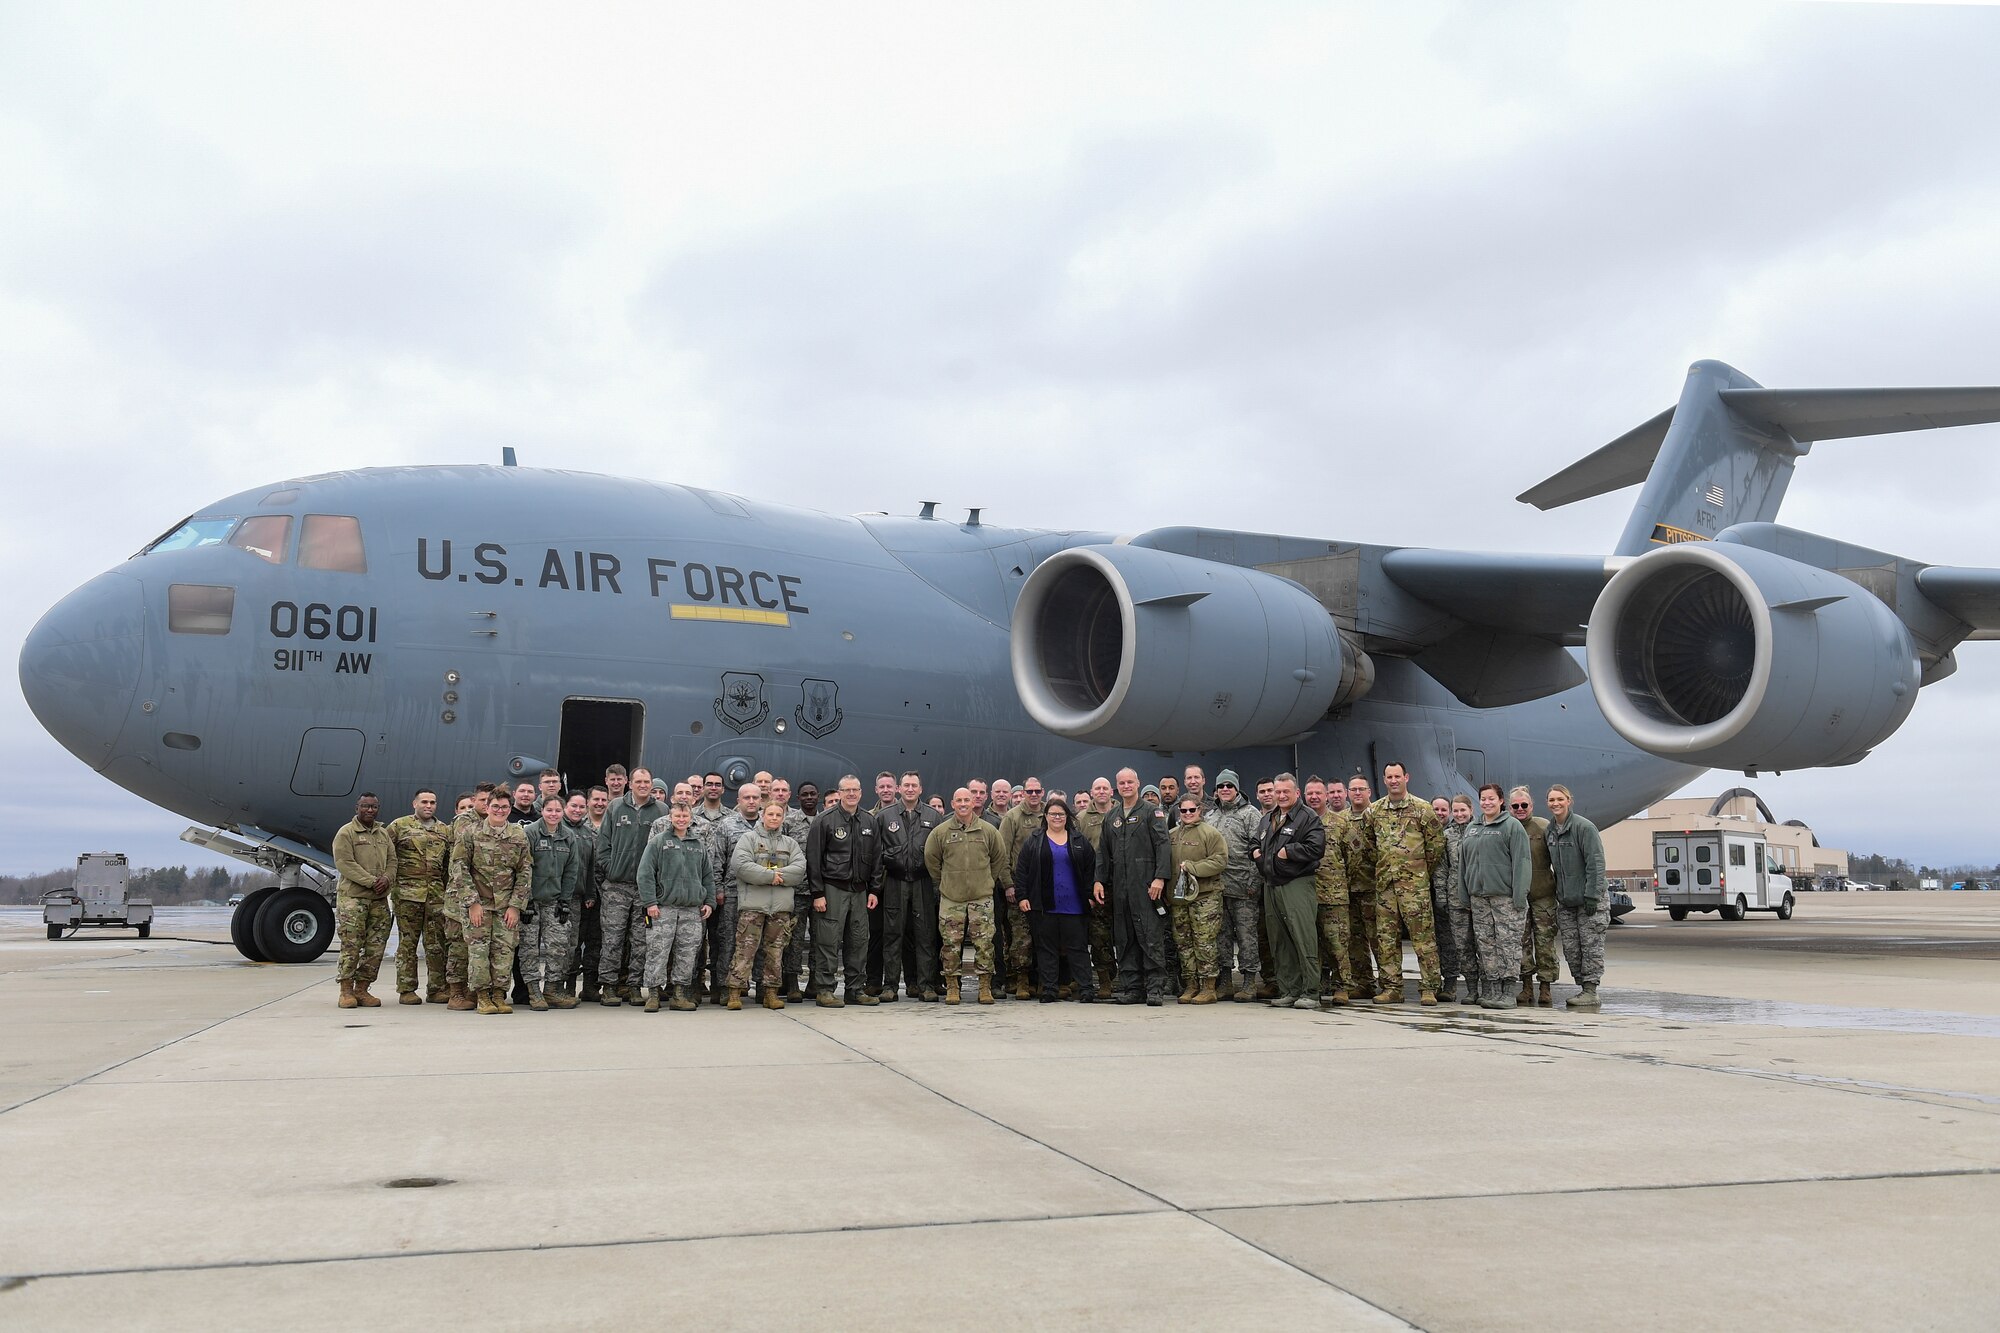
1199 848
1495 866
550 918
720 840
964 860
1538 932
454 911
1097 916
1242 891
674 877
494 869
1016 827
423 847
764 918
1456 916
1350 829
361 911
1331 899
620 845
1409 852
1583 903
798 948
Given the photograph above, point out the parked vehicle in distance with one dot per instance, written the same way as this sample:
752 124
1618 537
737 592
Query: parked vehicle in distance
97 898
1718 870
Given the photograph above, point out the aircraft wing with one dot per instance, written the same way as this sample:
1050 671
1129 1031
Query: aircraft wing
1973 595
1540 596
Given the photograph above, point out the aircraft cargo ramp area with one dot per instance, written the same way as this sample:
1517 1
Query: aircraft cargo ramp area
1771 1124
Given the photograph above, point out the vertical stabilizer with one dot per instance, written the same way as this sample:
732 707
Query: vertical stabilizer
1714 467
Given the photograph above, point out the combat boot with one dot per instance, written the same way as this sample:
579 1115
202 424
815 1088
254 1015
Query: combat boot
1584 999
1247 992
1225 986
1338 1000
927 995
1487 996
733 997
435 995
1187 993
795 993
486 1005
1022 990
985 988
1542 996
1427 998
1504 993
501 1000
590 993
347 1000
887 995
1527 995
826 999
772 999
951 989
1267 989
683 1001
630 994
537 1001
461 999
865 998
408 997
562 999
652 999
1206 995
1388 996
361 994
608 997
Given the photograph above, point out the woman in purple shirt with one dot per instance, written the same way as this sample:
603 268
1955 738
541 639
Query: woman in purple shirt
1052 876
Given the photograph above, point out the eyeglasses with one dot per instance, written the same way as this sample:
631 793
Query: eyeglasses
1190 809
1220 785
1521 805
1031 791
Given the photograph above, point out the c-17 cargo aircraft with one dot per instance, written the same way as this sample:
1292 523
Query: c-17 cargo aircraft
289 646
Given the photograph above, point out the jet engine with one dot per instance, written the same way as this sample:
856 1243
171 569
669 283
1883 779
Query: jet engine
1733 657
1131 647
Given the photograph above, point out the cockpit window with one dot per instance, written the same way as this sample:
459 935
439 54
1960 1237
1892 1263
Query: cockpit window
191 533
199 608
332 541
264 535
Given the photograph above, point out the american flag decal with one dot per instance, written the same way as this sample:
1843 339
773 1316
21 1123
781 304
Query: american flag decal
1714 496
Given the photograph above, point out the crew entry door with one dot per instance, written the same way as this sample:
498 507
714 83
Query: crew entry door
597 733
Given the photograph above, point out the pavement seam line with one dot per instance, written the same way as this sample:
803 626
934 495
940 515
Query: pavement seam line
559 1247
1092 1167
174 1041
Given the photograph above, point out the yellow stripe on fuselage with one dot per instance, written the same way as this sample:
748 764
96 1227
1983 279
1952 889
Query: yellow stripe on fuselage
734 615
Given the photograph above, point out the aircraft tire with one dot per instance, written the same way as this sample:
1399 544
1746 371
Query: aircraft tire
296 926
145 930
1785 909
243 923
1678 913
55 932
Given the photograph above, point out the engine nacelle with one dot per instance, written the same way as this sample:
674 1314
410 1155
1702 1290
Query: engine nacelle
1732 657
1131 647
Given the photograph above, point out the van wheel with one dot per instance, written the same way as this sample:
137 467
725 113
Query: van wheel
1785 909
1735 911
1678 913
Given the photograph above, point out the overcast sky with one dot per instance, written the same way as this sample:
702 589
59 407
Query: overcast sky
857 256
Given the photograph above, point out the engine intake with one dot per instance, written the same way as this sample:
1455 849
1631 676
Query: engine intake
1136 648
1733 657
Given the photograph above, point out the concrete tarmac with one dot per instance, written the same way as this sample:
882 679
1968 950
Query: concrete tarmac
1772 1124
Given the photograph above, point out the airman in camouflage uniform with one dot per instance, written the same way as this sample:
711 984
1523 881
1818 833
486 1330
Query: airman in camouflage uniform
1196 849
423 846
550 917
1331 904
491 875
963 857
1350 829
621 843
1409 853
1242 889
1097 916
365 857
1022 822
1457 918
798 946
468 818
1440 908
1583 900
1538 932
720 840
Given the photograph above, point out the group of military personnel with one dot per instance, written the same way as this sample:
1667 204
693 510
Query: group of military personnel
1296 894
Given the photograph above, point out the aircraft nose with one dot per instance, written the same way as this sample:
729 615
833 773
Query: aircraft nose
81 665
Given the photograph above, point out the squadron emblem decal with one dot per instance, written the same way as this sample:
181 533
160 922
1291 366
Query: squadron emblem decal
818 709
742 705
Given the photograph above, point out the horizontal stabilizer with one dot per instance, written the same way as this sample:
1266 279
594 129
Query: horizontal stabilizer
1621 463
1973 595
1839 414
